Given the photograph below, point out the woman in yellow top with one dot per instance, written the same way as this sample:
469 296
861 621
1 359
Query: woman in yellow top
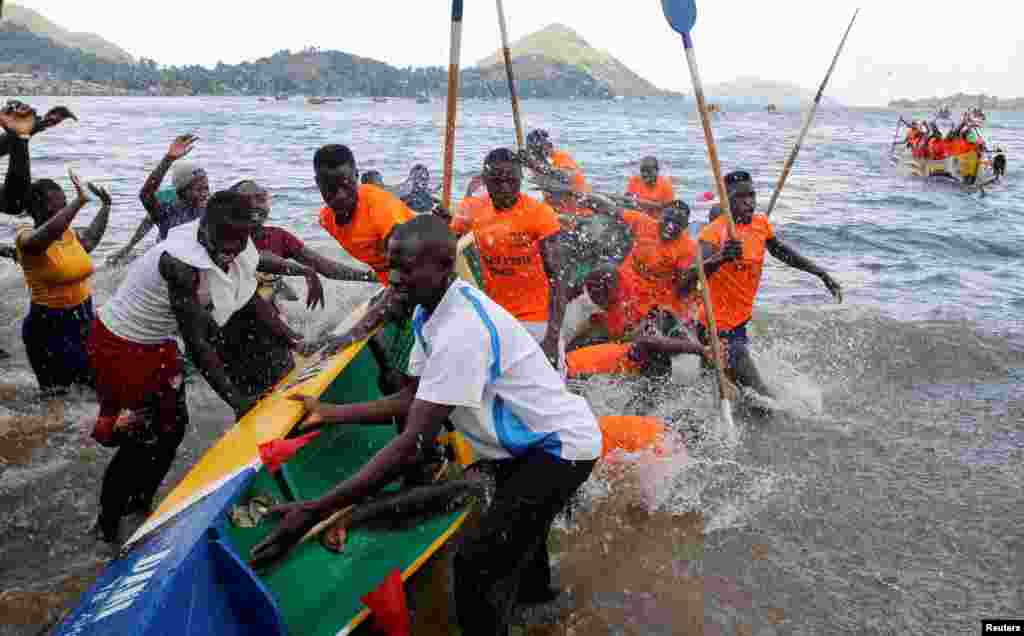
57 266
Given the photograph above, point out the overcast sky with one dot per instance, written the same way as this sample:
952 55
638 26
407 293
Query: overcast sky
887 56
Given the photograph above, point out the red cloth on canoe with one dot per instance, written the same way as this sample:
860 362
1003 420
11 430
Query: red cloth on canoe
387 602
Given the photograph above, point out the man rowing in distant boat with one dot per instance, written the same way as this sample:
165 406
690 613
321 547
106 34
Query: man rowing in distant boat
734 268
475 364
193 191
518 239
650 186
190 284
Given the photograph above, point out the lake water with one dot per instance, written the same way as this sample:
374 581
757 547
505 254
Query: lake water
887 494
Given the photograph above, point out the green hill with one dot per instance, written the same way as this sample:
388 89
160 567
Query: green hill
557 44
87 42
29 47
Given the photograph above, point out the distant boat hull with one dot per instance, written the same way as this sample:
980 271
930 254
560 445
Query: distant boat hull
991 168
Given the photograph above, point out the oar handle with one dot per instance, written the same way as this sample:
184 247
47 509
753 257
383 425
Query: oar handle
453 100
808 119
709 137
712 328
507 53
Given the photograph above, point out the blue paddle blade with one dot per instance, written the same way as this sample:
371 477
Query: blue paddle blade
681 14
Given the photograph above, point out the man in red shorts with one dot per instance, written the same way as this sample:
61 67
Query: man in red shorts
189 284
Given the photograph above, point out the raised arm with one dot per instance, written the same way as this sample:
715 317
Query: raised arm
790 257
180 147
14 194
91 236
197 326
42 237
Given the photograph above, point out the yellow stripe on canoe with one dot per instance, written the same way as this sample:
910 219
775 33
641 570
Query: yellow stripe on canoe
271 418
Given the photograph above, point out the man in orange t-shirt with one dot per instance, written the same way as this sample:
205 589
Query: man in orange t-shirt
544 159
520 258
650 186
653 335
734 269
359 217
661 254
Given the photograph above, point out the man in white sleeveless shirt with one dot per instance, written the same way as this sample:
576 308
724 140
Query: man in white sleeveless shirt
475 363
187 285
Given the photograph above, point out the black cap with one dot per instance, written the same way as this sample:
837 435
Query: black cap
739 182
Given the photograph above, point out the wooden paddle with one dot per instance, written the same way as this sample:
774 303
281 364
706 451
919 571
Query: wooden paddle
807 122
508 72
453 97
681 16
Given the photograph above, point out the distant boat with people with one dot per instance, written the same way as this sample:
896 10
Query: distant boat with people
961 156
772 108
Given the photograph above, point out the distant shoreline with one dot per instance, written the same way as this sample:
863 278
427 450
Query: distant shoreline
78 88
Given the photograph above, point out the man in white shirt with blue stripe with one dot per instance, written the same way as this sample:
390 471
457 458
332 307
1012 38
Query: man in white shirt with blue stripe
477 365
